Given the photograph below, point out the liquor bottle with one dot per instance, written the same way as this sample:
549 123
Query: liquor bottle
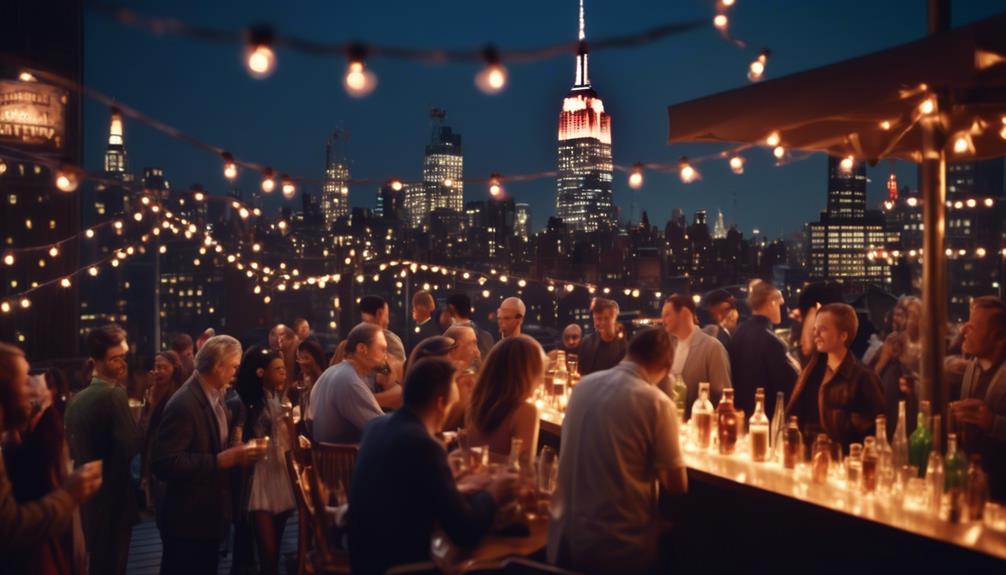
978 489
854 466
759 428
726 422
679 393
899 447
702 415
821 459
955 467
870 460
513 461
560 379
777 426
792 444
921 441
885 455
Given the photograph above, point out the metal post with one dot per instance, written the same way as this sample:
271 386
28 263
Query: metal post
157 294
934 266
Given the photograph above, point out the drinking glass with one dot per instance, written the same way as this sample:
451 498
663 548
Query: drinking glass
572 363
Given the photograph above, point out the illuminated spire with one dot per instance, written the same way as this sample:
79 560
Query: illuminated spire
115 129
583 35
582 78
115 153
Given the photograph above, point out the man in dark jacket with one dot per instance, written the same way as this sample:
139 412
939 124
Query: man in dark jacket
459 306
402 484
423 308
757 357
99 426
190 455
604 348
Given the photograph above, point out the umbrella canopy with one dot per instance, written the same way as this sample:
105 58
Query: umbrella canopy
870 107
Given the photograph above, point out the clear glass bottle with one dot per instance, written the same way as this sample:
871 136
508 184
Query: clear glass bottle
870 464
513 460
885 456
978 489
758 431
921 441
792 444
821 459
560 379
702 416
854 466
777 426
726 422
899 446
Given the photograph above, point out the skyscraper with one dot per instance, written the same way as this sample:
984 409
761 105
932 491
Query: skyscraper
720 228
442 169
583 196
335 187
846 231
522 223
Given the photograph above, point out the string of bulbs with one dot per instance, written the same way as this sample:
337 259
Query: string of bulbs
260 41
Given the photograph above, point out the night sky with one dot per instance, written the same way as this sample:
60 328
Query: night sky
283 121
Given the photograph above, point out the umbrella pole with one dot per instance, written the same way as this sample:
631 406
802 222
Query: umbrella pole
934 286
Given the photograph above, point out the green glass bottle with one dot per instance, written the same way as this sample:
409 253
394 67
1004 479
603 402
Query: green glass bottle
921 441
955 467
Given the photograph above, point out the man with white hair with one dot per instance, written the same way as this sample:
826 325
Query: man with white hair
189 455
510 316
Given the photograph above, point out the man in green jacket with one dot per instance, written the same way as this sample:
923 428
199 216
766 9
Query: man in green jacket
99 426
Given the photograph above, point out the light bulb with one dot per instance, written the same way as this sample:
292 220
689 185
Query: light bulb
495 188
26 77
243 212
720 21
65 282
963 144
359 80
928 106
8 259
846 164
92 271
259 57
5 307
289 188
686 171
230 168
773 139
53 251
737 164
268 180
25 303
980 252
66 179
396 185
885 125
779 152
636 176
138 216
727 3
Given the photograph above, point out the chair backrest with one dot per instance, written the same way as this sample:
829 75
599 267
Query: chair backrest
334 464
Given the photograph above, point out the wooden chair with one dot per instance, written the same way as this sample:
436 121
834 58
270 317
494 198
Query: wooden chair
315 552
334 464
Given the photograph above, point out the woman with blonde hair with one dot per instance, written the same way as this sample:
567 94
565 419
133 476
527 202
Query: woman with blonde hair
500 407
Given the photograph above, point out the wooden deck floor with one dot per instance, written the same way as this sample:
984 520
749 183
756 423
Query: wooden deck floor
145 550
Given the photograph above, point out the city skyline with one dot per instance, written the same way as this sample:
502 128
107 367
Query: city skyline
639 83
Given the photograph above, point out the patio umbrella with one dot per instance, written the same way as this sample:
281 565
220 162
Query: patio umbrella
944 95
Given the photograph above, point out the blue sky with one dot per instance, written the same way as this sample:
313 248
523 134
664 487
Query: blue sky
283 121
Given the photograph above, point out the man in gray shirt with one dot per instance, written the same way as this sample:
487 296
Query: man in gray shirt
386 385
343 404
619 440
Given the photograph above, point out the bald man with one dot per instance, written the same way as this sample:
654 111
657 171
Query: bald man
510 316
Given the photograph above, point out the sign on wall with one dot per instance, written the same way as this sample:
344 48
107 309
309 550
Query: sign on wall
32 114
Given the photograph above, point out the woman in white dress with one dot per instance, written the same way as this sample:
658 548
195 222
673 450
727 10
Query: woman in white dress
270 493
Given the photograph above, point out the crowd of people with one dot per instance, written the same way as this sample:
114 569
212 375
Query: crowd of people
217 420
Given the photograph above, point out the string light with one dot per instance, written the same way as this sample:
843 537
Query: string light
1002 131
687 172
8 259
3 167
92 271
260 58
928 106
53 251
230 168
885 125
963 144
268 180
495 187
5 307
65 282
67 178
26 77
138 216
757 68
25 303
727 3
779 152
289 188
773 139
636 176
720 22
359 80
396 185
737 165
846 164
492 79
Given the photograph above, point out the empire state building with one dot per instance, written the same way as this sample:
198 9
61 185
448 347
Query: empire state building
583 196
